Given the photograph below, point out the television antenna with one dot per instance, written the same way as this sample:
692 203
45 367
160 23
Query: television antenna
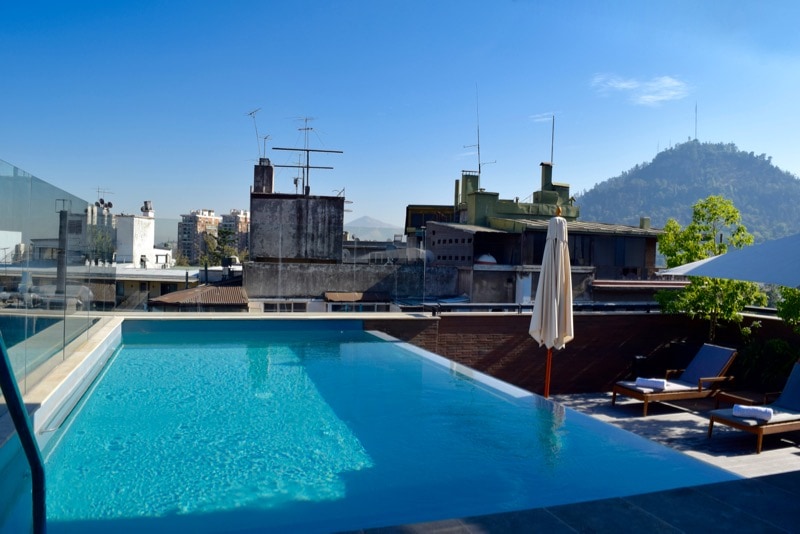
306 187
253 115
478 124
307 167
265 143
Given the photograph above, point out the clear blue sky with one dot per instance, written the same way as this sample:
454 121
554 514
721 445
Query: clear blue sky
149 100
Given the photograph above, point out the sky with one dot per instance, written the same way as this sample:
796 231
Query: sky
154 100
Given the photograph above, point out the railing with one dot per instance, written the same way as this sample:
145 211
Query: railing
463 307
16 409
607 307
134 302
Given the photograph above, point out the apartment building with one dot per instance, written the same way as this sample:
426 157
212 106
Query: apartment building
192 230
237 222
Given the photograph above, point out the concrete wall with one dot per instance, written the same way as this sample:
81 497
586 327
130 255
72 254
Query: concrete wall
135 238
296 228
302 280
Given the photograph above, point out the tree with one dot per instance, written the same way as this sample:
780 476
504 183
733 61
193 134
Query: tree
716 226
789 307
219 246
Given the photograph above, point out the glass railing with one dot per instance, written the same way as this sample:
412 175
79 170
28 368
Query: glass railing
66 265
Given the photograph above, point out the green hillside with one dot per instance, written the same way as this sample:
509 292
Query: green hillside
767 197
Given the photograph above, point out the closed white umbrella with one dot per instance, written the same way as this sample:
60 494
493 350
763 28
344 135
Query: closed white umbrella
551 323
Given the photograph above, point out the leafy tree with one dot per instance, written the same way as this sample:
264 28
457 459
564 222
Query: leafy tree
101 245
789 307
181 260
218 247
716 225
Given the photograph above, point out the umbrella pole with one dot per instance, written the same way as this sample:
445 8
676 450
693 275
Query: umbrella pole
547 373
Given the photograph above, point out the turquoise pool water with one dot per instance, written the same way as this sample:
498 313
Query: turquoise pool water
218 427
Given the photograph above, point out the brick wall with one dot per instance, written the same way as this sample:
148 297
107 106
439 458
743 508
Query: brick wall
602 352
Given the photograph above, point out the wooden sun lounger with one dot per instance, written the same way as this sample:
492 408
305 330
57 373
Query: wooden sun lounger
702 378
786 414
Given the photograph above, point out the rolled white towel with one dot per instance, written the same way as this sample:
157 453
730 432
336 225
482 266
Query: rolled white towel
654 383
764 413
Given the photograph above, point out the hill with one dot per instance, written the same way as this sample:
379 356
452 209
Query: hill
667 187
369 229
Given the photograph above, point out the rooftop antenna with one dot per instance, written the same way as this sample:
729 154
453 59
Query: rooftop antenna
307 167
478 124
102 192
265 143
253 115
478 127
552 138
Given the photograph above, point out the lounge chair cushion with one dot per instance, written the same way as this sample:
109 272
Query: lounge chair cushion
709 361
654 383
779 415
790 397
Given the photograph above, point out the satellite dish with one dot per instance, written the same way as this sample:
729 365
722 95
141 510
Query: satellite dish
101 201
109 205
97 204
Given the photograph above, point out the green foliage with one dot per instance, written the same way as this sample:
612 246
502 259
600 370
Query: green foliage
716 225
101 244
218 247
677 177
713 299
181 260
764 365
789 307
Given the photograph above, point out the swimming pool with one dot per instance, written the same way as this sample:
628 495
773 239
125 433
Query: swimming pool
210 426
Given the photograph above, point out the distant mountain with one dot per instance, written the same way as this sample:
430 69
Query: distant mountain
667 187
369 229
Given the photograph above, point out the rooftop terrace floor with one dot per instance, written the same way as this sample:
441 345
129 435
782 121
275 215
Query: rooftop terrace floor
765 501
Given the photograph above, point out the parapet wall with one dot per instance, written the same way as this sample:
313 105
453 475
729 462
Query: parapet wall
602 352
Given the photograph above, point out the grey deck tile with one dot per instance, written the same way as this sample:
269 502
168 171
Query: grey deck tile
759 498
690 509
611 515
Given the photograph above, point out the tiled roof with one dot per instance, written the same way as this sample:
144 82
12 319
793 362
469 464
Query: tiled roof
205 296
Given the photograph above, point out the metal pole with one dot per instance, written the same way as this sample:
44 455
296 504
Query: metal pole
547 372
424 266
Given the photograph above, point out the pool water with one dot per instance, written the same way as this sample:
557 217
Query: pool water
323 430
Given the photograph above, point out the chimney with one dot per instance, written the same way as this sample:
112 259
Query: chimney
547 176
644 223
147 209
263 176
